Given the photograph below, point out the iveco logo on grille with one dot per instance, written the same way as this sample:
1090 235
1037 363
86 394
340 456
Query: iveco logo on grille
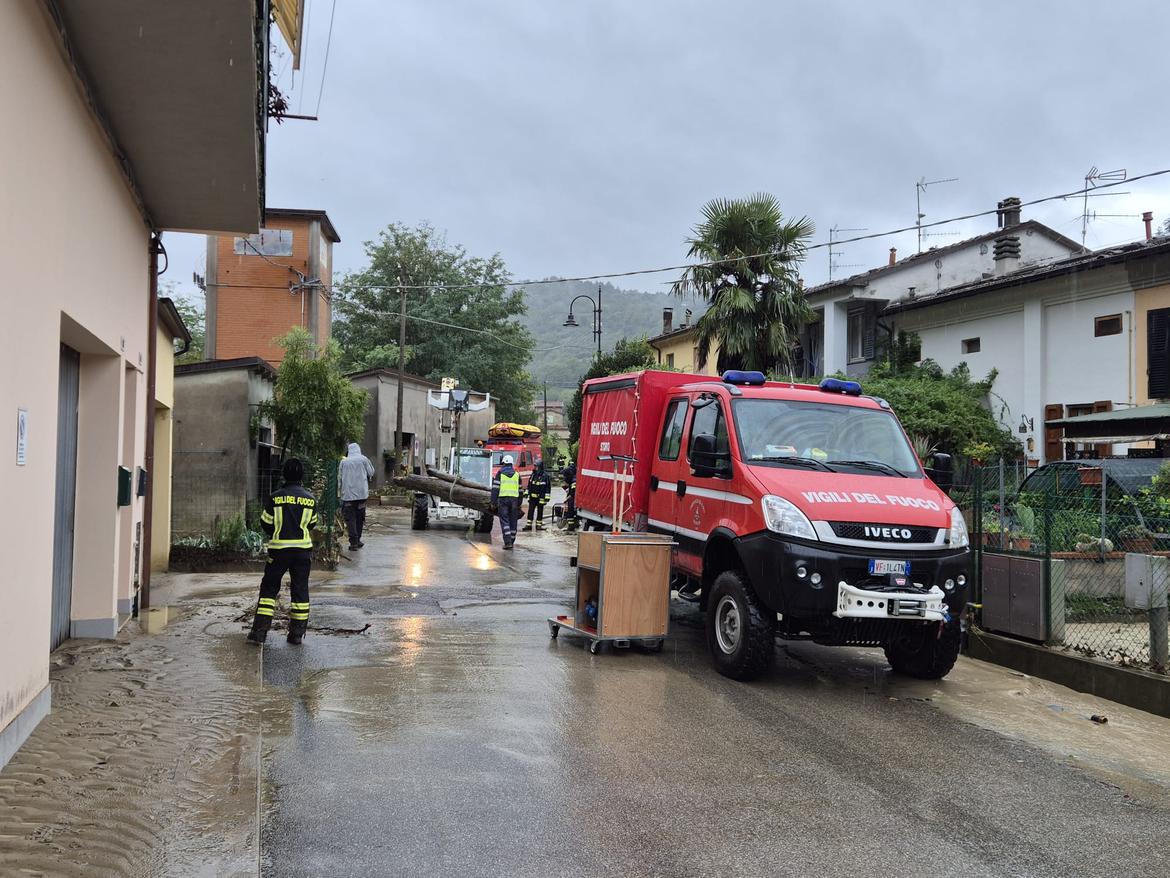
887 533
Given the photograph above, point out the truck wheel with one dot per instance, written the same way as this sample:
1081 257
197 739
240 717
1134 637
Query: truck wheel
420 517
741 633
925 652
483 524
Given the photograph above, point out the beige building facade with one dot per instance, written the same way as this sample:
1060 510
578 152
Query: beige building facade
87 185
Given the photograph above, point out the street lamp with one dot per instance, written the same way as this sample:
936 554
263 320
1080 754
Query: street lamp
571 321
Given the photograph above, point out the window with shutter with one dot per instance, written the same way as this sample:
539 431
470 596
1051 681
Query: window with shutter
1158 353
869 330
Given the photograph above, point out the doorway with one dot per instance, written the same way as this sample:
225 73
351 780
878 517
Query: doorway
65 498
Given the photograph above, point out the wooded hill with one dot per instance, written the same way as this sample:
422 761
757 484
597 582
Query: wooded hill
563 353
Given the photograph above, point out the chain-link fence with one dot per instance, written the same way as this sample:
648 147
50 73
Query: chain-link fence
1076 554
217 498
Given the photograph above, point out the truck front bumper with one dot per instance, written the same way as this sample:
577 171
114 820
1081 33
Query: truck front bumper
773 563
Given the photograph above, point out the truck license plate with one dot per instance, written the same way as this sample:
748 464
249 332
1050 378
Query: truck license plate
885 568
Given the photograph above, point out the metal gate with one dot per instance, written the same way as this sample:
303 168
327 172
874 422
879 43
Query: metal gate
66 494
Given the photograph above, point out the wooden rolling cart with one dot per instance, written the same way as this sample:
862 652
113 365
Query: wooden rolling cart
627 576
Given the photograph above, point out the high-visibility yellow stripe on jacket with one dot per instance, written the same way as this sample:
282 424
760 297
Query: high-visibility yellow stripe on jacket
509 485
291 513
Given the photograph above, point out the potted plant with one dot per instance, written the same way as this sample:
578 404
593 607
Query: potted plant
992 529
978 452
1021 535
1137 538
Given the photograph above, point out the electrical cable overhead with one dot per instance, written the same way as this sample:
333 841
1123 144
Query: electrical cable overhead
731 260
325 65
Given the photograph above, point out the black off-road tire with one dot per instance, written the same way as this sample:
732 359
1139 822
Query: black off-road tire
755 646
483 524
925 653
420 516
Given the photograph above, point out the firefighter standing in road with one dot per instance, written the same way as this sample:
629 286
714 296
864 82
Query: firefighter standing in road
539 492
506 499
289 514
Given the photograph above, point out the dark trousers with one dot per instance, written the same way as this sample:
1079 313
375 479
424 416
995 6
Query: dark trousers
295 562
354 512
536 508
509 517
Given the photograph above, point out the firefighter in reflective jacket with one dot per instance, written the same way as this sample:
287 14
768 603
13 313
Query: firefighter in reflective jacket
289 514
539 492
506 499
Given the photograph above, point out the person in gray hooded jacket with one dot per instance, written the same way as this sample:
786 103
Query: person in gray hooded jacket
353 484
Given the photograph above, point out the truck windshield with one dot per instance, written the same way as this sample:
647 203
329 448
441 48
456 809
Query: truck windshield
474 465
776 431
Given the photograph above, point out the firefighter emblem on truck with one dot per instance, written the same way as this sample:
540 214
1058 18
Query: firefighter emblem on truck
697 512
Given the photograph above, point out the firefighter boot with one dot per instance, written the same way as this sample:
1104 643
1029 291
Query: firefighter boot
296 630
260 626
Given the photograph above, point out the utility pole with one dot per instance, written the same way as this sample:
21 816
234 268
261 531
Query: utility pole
401 367
546 408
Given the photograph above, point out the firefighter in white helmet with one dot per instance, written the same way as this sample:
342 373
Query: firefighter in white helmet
506 499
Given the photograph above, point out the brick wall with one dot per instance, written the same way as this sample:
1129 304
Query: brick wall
254 306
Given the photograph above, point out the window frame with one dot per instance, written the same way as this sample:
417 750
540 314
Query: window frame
721 416
965 345
683 403
857 356
1098 321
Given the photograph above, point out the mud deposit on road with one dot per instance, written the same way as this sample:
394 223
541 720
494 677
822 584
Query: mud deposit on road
146 765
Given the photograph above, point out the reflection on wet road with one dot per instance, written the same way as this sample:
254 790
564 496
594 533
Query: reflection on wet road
456 738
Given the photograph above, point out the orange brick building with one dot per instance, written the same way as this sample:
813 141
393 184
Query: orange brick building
261 286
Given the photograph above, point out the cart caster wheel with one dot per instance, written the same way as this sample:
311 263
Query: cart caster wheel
553 630
595 647
657 647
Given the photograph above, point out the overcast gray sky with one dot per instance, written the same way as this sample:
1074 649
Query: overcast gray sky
584 138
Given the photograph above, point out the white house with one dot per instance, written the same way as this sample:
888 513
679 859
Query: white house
846 336
1084 334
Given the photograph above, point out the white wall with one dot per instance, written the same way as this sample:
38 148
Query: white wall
1001 338
1040 337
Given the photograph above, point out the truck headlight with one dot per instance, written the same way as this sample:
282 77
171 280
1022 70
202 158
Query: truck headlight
958 536
784 518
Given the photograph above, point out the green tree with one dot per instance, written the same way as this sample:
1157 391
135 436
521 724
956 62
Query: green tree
315 409
628 355
464 326
757 304
948 409
192 312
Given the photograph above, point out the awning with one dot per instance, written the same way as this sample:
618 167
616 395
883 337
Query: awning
1135 424
181 91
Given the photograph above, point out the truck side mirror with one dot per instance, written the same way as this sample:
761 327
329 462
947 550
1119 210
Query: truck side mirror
943 471
705 459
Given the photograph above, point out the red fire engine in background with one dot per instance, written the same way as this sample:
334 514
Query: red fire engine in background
799 511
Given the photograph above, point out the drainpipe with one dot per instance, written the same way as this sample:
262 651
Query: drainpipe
142 600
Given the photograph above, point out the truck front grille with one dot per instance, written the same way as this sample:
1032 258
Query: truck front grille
886 534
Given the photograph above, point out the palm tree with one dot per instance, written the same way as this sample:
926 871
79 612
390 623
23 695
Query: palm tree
750 255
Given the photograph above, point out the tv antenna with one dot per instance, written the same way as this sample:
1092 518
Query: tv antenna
919 188
1092 178
834 236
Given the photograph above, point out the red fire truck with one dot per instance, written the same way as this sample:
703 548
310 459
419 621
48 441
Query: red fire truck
521 441
799 511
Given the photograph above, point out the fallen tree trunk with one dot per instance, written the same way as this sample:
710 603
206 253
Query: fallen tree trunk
458 480
479 499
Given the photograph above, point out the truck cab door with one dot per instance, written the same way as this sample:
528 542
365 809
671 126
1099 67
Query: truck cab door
702 492
666 465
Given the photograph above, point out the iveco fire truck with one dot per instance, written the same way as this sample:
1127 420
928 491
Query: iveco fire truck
799 511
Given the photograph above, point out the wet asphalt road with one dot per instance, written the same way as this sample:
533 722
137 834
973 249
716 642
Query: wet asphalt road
456 738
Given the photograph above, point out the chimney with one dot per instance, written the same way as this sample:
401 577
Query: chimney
687 318
667 320
1008 211
1006 253
1148 219
893 255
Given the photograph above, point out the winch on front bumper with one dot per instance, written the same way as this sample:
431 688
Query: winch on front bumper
891 602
